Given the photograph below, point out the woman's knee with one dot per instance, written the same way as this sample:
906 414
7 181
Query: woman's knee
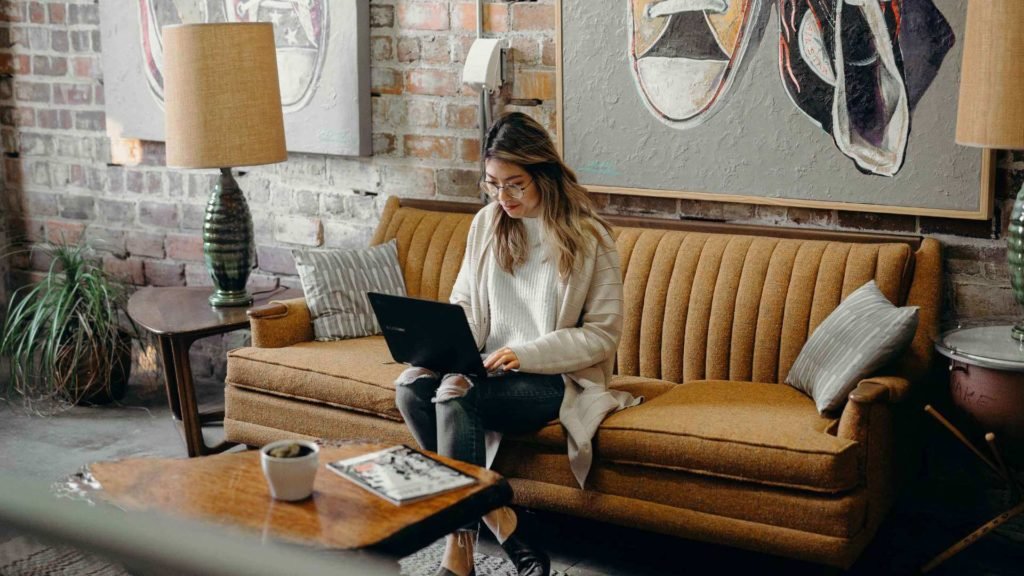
414 389
412 374
453 387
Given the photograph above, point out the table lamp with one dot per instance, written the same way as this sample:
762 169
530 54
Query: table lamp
223 109
991 108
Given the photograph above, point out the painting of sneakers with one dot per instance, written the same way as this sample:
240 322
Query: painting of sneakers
687 54
822 104
856 68
322 59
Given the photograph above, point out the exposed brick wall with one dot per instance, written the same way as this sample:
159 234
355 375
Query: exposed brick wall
4 224
59 177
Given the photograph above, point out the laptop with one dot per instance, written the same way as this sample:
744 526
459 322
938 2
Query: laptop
427 333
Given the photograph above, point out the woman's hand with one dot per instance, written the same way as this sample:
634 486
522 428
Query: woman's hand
502 359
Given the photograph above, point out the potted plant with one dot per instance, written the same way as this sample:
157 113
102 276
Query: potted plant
68 338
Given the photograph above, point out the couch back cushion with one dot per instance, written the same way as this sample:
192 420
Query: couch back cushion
728 307
698 306
431 245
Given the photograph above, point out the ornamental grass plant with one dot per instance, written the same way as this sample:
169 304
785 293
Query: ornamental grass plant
68 338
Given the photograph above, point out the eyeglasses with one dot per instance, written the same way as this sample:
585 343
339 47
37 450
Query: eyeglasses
515 191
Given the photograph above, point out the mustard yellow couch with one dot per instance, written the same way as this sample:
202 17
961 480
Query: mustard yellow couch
721 450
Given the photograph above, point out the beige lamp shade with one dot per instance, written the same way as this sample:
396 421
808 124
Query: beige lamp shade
222 98
991 108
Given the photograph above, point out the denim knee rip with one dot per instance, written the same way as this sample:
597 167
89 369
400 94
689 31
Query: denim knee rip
453 386
412 374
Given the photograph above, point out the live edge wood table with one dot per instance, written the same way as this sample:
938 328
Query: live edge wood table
230 489
178 316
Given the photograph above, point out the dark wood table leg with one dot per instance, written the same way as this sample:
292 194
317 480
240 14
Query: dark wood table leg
212 417
170 376
191 420
192 428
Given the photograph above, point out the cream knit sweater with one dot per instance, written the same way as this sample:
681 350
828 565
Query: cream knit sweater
582 346
524 304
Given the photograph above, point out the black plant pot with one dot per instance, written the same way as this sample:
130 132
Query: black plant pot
88 383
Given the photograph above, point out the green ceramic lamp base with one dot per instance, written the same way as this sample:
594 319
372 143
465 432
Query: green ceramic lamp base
1015 257
228 243
230 298
1018 331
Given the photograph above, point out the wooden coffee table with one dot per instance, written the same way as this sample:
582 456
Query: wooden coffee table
230 489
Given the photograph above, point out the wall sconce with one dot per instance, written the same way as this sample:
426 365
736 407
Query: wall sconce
484 70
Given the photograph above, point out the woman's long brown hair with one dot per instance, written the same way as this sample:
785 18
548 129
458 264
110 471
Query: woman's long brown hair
569 214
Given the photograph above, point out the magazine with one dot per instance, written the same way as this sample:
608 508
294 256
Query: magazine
400 474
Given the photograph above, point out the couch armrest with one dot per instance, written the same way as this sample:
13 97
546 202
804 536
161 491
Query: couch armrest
869 419
870 393
892 389
281 323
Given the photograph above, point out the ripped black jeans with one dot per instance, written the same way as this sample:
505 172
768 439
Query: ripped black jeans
452 422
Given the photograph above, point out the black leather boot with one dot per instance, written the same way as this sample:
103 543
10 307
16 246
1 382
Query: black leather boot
528 559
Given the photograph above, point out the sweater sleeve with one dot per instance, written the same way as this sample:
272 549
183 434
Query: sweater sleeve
596 338
465 281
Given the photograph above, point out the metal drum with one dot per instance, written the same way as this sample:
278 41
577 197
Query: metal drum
987 383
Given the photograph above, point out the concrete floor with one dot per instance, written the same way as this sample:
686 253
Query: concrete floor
950 501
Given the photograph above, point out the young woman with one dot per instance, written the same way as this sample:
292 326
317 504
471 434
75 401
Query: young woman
542 290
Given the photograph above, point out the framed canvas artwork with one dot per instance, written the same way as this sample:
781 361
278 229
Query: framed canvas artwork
833 104
323 64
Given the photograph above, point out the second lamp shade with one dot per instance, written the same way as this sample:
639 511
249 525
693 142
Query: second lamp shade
223 101
991 108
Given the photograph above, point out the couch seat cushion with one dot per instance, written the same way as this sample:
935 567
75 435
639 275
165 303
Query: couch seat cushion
765 433
356 374
553 435
836 515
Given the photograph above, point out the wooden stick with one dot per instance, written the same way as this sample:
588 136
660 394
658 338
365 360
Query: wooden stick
956 432
973 537
990 438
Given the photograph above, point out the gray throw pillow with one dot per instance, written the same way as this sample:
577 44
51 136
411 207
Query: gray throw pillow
335 283
860 336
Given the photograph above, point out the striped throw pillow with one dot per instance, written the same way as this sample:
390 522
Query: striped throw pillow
860 336
336 282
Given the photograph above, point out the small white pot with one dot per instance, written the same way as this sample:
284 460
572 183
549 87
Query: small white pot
290 479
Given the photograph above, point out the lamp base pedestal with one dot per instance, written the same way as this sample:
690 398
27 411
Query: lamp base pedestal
228 242
1018 331
221 298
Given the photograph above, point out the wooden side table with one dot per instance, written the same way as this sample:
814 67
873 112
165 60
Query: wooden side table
986 368
178 317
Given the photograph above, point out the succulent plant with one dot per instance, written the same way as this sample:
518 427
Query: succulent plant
292 450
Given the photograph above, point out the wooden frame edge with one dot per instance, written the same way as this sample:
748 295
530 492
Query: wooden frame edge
985 201
701 226
559 117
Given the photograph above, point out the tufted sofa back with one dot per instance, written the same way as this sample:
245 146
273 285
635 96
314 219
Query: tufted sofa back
725 307
704 306
431 245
